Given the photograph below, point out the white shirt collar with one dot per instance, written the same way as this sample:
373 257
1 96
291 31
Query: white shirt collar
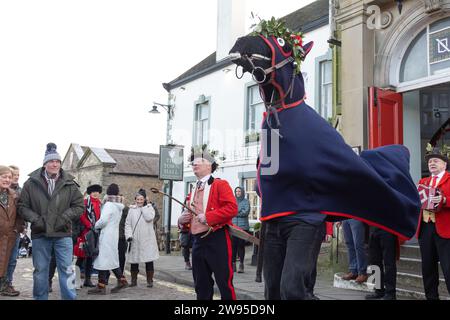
440 175
205 179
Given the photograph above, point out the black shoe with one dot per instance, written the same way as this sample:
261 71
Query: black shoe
88 283
389 297
374 296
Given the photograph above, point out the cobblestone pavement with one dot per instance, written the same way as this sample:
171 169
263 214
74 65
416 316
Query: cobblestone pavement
162 290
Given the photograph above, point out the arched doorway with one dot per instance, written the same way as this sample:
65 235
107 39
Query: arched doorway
416 67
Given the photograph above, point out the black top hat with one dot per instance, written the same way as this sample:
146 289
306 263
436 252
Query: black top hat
94 188
436 153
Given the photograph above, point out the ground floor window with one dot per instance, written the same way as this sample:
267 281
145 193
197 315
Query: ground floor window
250 193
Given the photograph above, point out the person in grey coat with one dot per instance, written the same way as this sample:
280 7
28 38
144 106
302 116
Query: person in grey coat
241 220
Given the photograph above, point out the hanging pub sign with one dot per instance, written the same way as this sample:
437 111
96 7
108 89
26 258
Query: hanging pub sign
439 45
171 162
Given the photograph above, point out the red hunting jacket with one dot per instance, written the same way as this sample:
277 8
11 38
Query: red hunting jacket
220 202
442 215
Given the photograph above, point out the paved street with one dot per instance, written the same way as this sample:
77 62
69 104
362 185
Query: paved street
162 290
173 282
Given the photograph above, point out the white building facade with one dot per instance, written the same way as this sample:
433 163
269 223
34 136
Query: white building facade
212 106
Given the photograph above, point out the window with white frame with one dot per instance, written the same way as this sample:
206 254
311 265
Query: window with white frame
428 53
201 124
326 89
254 114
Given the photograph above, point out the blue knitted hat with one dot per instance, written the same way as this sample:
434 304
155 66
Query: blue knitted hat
51 153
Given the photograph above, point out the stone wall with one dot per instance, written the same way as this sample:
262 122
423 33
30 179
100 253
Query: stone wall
129 185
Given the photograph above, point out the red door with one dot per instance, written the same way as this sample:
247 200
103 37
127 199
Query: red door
385 117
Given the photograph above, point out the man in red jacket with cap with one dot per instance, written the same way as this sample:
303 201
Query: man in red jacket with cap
434 226
214 201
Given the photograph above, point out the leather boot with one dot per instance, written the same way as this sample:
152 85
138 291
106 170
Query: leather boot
121 284
3 284
150 278
10 292
134 275
241 268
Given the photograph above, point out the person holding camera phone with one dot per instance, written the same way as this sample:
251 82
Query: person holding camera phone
141 238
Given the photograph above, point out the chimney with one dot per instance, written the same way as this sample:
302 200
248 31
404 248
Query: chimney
230 25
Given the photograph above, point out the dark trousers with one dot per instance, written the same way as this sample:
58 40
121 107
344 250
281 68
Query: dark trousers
186 245
383 253
103 275
122 246
52 268
290 257
148 267
86 265
186 253
239 249
310 284
433 248
212 254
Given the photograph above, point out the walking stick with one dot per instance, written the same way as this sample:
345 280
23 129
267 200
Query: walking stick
337 242
234 230
259 259
154 190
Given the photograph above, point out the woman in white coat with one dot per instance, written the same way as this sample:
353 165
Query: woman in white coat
108 256
141 238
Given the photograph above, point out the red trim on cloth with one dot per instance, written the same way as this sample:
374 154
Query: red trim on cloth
400 236
284 53
277 215
230 266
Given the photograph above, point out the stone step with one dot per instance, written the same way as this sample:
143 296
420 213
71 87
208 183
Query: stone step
413 281
412 265
408 285
410 251
412 293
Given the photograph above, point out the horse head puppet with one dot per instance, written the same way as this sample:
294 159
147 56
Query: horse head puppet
304 164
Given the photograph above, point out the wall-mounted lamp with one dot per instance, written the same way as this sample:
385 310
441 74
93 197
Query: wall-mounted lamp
399 5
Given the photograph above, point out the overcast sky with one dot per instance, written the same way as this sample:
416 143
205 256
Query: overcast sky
87 71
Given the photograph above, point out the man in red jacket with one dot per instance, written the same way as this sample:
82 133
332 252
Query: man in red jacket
214 201
434 226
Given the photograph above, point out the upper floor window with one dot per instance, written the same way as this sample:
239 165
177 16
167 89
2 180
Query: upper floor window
326 90
201 124
254 114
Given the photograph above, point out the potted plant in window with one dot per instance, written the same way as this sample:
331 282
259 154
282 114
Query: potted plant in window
252 137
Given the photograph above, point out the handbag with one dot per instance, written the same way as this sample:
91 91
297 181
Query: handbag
91 245
132 235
